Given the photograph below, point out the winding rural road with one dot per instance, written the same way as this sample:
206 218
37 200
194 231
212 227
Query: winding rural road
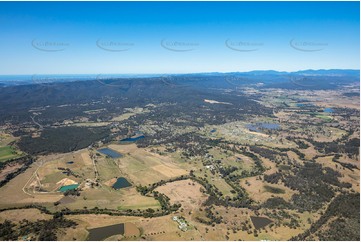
33 118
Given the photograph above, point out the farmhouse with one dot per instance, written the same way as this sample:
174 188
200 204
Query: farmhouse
211 167
182 224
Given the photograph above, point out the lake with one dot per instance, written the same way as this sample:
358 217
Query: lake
110 152
256 127
132 139
69 187
98 234
121 183
260 222
328 110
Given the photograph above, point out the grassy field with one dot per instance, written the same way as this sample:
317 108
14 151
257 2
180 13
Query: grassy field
143 167
274 190
18 215
8 152
105 197
15 195
107 168
186 192
260 190
6 138
324 117
49 175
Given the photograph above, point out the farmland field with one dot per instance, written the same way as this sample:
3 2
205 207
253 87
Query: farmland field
7 153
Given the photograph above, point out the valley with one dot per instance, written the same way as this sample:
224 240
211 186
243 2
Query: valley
160 161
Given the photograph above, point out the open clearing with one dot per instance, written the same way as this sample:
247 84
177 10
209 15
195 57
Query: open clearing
16 196
185 192
260 191
144 167
7 153
18 215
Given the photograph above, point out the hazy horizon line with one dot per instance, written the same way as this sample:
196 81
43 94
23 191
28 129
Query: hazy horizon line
184 73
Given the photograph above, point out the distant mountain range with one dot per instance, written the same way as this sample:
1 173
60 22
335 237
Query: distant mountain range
266 78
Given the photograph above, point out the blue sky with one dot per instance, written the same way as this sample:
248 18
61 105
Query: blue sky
177 37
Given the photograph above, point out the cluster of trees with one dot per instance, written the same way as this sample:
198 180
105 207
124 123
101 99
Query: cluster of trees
164 202
299 153
43 230
192 144
258 167
315 185
11 162
342 217
147 213
226 171
62 140
211 218
16 101
277 203
148 189
267 153
282 217
301 144
36 206
343 164
216 196
68 172
273 178
72 192
350 147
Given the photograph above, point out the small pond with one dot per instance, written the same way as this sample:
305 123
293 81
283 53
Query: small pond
110 152
260 222
132 139
98 234
328 110
69 187
121 183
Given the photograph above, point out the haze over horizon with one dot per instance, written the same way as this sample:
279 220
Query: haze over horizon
177 38
160 74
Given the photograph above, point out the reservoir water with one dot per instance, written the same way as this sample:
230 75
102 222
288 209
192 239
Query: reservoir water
110 152
99 234
328 110
260 222
69 187
121 183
